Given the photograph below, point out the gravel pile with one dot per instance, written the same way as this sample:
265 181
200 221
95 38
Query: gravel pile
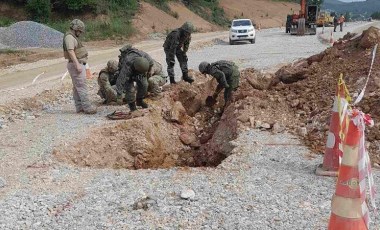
27 34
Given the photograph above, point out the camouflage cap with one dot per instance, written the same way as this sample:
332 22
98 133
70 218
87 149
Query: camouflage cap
112 65
77 24
188 27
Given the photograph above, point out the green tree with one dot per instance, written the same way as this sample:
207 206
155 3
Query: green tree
316 2
39 10
347 16
376 15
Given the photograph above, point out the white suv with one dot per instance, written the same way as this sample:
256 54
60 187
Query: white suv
242 30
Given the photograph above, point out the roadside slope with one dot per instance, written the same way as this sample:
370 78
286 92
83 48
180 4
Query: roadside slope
264 12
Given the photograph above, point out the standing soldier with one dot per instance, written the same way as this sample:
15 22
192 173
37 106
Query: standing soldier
134 66
341 21
176 44
76 54
228 76
107 82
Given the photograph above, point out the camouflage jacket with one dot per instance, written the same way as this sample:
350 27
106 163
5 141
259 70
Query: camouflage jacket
126 70
174 41
222 71
104 75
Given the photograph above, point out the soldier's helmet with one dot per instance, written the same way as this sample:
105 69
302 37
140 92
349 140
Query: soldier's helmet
188 27
112 66
77 24
203 66
141 65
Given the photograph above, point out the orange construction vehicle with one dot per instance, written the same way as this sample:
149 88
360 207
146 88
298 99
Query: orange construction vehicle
304 22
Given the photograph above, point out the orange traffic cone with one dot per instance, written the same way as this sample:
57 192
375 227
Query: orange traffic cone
349 210
333 150
88 72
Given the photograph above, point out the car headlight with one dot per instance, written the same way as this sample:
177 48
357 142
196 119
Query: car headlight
250 30
234 31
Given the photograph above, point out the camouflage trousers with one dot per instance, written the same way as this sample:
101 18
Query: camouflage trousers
142 88
170 61
156 80
80 92
106 90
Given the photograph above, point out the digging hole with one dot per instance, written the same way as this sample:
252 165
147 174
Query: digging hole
177 130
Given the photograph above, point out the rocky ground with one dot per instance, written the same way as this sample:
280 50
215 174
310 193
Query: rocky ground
61 170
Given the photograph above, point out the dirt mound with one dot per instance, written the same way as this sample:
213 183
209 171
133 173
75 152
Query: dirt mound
309 86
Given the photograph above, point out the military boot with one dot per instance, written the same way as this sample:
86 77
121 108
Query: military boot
132 106
172 81
186 78
140 102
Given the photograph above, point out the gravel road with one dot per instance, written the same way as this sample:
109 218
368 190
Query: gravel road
269 183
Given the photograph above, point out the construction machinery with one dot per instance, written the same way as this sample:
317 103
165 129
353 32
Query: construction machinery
325 18
303 23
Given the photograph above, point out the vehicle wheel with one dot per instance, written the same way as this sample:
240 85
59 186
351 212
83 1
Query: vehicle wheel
253 41
231 42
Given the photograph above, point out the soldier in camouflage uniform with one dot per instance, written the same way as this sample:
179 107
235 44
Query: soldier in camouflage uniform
156 80
227 75
176 44
107 82
76 54
134 66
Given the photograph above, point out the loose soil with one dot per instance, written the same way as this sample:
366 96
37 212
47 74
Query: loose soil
309 87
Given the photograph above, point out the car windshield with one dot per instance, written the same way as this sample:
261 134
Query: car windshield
241 23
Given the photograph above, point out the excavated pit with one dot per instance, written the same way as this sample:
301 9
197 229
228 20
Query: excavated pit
177 130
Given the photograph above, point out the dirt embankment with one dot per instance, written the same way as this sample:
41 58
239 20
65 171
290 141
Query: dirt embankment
309 87
266 13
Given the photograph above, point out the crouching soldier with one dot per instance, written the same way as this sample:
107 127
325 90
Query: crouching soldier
107 82
134 66
156 79
228 76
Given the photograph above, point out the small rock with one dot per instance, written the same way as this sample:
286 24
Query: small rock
188 138
295 103
3 183
178 113
277 128
376 166
265 126
188 194
30 117
144 203
258 124
243 118
252 121
302 131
